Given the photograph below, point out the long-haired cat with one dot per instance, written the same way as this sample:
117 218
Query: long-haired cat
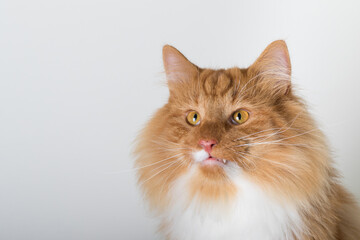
234 154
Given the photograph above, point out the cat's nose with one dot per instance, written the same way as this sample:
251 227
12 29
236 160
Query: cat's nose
207 144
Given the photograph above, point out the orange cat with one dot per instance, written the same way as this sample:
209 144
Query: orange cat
234 154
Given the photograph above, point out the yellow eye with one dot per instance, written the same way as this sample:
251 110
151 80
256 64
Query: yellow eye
193 118
240 116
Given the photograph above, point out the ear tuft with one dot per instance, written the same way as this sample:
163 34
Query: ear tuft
177 67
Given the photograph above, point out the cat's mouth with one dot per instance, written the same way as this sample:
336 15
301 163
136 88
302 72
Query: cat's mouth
212 160
205 158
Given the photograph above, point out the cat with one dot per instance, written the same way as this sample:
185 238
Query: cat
234 154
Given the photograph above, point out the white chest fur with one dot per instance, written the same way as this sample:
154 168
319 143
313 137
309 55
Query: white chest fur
252 216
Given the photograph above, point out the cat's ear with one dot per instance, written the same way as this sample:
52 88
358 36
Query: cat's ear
178 68
273 67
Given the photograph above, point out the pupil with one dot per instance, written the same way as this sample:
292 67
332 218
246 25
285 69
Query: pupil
239 116
195 117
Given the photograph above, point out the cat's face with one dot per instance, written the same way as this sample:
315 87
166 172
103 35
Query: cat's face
215 122
223 122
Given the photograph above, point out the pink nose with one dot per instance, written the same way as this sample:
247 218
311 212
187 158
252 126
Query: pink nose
207 144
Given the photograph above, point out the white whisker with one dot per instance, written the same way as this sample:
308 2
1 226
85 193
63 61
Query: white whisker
182 161
172 163
273 162
149 165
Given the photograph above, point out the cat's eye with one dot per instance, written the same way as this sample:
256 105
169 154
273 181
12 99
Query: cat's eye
193 118
240 116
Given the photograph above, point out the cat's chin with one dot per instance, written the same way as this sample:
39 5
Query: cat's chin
214 170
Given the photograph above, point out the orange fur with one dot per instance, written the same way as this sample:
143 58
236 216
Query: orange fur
279 148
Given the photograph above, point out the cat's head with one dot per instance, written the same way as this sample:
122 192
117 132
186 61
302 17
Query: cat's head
220 123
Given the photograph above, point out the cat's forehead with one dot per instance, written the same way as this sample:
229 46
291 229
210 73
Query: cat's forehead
218 84
213 92
219 89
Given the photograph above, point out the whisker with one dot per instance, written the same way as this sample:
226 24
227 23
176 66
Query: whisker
291 170
297 135
246 163
262 136
172 163
291 123
279 143
238 153
268 160
149 165
165 150
279 129
182 161
165 143
252 134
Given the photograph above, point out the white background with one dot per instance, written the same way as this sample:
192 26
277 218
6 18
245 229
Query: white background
79 79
